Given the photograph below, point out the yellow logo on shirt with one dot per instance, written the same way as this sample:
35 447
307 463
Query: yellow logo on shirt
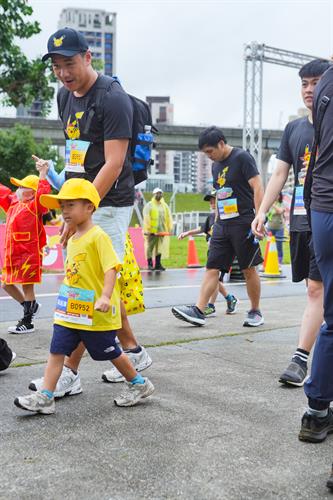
221 177
73 127
72 271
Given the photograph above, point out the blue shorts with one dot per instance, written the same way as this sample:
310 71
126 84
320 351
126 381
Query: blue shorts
101 346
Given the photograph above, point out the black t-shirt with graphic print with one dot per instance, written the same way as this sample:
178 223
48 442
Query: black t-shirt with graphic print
207 226
113 120
233 175
295 148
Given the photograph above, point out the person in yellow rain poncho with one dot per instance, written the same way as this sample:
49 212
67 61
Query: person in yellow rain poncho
157 226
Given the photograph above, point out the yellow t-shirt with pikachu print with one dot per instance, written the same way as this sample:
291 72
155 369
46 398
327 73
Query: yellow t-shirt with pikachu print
88 259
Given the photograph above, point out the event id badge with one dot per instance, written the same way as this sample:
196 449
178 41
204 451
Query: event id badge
75 155
227 206
75 305
299 208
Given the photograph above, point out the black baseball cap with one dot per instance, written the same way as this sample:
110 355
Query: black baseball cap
66 42
210 195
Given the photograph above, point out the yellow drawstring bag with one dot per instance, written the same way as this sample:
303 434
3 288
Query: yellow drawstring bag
130 281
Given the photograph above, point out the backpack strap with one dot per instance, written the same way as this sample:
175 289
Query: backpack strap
103 86
62 98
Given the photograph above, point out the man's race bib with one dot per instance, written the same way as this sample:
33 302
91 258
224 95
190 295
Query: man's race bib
299 208
227 206
75 155
75 305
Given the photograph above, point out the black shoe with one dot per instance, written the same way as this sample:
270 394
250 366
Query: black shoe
150 264
329 483
315 429
190 314
296 373
159 268
23 326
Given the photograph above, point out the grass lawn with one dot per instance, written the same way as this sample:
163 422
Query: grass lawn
178 251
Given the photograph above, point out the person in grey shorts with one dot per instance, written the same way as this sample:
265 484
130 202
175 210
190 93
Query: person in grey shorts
97 148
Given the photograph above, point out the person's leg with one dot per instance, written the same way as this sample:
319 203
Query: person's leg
208 286
53 371
14 292
279 233
312 316
253 286
29 292
220 256
248 253
317 422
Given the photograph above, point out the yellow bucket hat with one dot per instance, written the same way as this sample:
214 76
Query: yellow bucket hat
30 182
73 189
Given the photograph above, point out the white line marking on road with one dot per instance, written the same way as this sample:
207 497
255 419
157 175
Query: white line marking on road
171 287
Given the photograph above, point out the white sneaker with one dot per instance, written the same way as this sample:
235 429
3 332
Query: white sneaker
36 402
134 392
140 360
69 384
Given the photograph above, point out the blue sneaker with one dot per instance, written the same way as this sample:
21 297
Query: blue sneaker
231 305
190 314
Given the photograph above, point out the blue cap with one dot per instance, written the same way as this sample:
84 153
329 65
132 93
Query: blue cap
66 42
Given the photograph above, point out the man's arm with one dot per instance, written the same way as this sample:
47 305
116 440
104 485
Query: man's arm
258 190
273 189
115 151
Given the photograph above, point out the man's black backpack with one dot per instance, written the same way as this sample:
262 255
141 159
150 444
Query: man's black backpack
142 140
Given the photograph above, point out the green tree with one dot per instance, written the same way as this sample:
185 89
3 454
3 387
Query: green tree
16 147
21 80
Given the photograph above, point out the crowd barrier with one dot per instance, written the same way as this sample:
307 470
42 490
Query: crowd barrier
53 255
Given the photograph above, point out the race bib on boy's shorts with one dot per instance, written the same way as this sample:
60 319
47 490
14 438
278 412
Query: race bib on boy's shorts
75 305
75 154
226 205
299 208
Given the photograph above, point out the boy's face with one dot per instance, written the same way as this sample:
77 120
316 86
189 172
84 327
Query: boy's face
212 203
308 86
215 153
75 212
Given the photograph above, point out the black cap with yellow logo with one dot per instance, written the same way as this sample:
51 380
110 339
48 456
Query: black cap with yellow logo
66 42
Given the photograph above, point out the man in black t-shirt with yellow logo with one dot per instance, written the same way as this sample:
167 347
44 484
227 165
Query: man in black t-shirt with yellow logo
239 192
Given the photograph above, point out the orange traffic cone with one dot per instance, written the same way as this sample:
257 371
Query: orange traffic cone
272 264
266 251
192 256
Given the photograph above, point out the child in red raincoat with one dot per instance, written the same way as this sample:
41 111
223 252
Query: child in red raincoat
24 242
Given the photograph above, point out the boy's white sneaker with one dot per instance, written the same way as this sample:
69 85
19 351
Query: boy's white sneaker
68 384
36 402
132 393
140 360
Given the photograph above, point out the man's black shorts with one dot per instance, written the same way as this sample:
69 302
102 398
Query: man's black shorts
303 260
230 240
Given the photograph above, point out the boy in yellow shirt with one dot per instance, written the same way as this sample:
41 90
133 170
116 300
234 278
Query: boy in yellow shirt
88 305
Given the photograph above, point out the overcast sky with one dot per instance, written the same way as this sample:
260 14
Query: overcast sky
193 50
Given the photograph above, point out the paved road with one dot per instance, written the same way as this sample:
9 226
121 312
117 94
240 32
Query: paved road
162 289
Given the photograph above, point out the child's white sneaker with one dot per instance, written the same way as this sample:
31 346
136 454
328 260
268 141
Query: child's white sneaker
36 402
68 384
132 393
140 360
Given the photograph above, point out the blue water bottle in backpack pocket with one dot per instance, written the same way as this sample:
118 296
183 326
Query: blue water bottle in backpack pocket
143 147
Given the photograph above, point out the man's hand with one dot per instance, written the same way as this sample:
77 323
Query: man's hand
42 166
66 231
183 235
258 225
103 304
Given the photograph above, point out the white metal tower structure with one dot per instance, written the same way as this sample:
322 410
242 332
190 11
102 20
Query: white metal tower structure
255 54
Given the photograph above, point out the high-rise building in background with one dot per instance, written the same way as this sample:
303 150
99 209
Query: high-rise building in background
161 174
204 173
99 29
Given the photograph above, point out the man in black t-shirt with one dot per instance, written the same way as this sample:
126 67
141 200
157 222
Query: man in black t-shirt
317 421
98 149
239 193
295 150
